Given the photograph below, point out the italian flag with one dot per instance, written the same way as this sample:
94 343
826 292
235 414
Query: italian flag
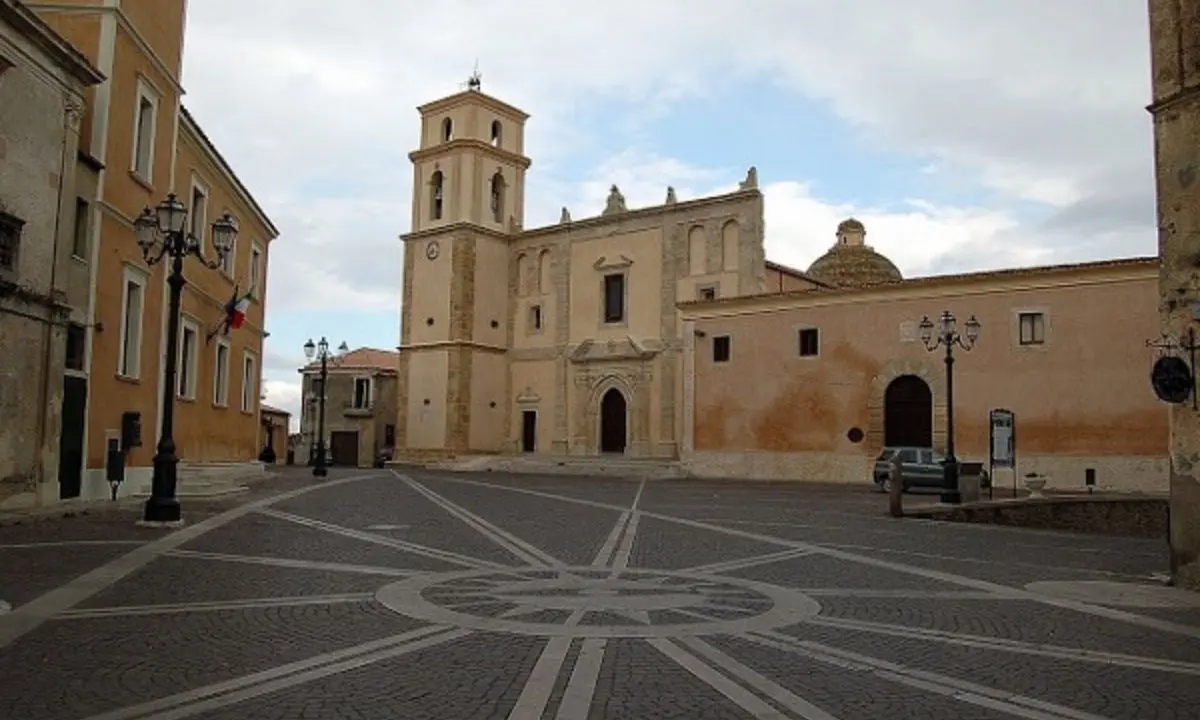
237 310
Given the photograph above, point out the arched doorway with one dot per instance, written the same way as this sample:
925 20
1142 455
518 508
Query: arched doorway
612 422
908 413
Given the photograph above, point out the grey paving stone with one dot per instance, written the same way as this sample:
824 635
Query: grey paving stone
268 536
573 533
180 580
668 545
822 571
77 668
637 682
26 573
387 500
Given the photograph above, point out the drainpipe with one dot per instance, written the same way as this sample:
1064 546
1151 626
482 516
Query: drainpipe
48 332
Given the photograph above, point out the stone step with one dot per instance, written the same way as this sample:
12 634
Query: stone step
642 468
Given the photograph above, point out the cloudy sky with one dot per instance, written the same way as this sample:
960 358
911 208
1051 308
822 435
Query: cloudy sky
966 135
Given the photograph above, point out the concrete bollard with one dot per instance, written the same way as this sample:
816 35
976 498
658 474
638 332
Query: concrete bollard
896 489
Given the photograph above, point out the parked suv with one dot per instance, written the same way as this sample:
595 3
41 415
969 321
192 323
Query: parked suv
921 468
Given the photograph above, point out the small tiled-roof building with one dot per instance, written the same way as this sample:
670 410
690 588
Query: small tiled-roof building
360 407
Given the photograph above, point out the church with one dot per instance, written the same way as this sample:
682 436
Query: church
665 333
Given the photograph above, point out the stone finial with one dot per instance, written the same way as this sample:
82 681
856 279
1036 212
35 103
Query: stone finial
851 232
671 199
565 217
616 202
751 181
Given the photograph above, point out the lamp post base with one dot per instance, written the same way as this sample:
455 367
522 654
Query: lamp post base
950 492
162 510
320 471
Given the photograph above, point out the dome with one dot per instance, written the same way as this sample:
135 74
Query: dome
852 262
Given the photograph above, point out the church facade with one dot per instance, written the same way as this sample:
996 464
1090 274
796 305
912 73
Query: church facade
595 335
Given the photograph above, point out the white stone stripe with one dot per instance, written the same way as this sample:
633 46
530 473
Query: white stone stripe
1000 591
536 693
511 543
166 608
32 614
291 563
68 543
756 680
610 542
903 594
730 565
211 697
576 703
1015 646
436 554
737 694
968 692
625 548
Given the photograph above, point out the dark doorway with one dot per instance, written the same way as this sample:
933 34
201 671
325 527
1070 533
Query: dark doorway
343 448
612 422
528 430
70 441
908 413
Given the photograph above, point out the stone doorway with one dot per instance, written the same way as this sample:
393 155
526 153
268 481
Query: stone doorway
613 422
908 413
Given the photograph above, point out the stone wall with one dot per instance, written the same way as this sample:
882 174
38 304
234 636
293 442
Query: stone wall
1127 516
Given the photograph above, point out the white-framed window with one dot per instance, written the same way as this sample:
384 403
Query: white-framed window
198 212
221 373
1031 328
229 262
145 130
256 269
249 381
133 308
188 362
362 393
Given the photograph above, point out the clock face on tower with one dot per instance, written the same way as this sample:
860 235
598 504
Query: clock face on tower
432 250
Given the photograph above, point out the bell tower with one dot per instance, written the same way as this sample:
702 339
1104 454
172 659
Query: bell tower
468 202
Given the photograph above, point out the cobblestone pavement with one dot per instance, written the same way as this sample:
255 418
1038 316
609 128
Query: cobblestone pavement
405 596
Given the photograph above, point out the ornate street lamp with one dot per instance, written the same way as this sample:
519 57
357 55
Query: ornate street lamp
160 234
947 336
321 350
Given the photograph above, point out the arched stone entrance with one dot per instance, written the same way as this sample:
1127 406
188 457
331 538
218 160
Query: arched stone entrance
908 412
614 422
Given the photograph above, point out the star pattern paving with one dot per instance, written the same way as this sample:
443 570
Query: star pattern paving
431 595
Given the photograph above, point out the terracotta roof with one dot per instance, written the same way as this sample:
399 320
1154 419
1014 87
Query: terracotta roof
362 359
272 409
1149 261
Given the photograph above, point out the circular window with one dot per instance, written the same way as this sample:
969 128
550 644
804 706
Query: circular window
855 435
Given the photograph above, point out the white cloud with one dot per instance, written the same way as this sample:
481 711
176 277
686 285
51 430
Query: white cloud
1041 101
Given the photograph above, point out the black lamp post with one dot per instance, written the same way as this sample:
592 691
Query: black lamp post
160 234
947 336
321 350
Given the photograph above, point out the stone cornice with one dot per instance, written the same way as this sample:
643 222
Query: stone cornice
449 344
452 228
473 97
984 283
646 213
461 144
190 128
1173 100
34 29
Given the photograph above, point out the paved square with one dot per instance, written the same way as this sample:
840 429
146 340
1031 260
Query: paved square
403 596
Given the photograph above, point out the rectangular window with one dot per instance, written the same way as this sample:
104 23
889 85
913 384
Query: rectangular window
198 214
221 375
76 356
721 349
144 127
614 298
1033 328
130 360
535 317
10 245
389 435
315 387
187 361
362 393
255 269
810 342
79 243
707 293
249 382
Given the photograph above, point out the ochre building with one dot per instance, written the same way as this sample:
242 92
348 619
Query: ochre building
599 335
145 144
